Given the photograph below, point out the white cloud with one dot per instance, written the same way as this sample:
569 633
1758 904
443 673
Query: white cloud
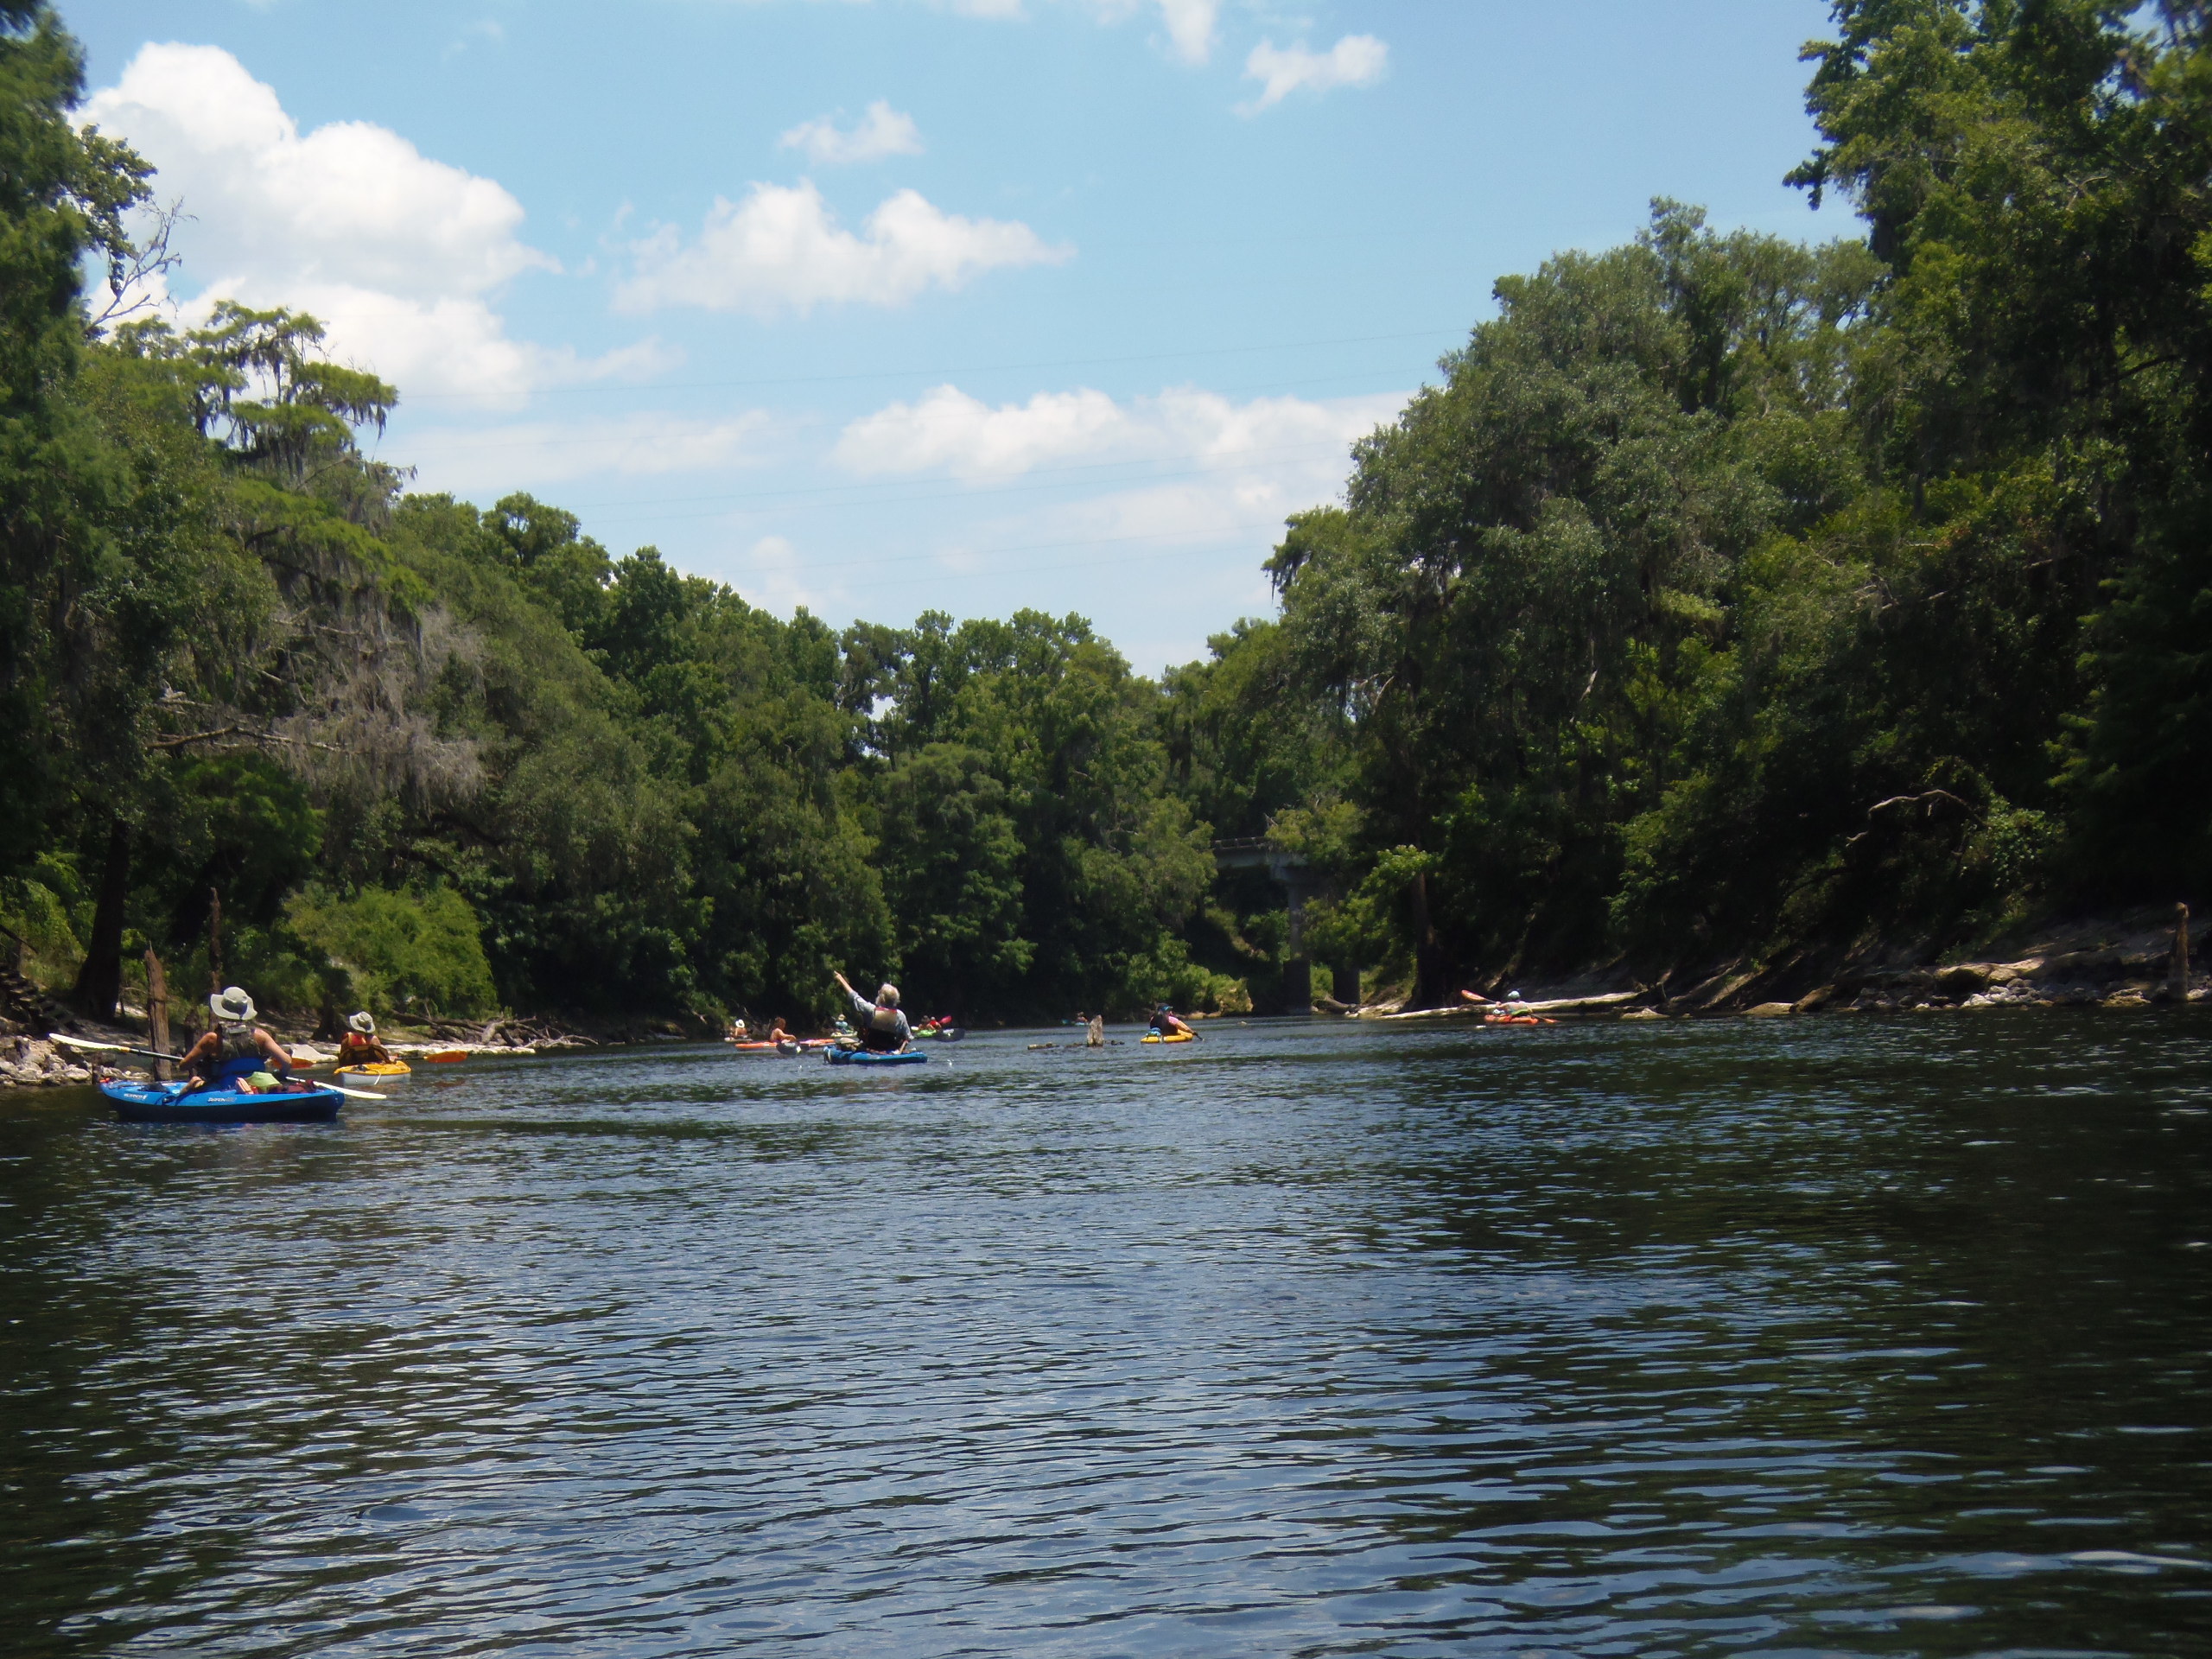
772 577
397 254
1355 61
781 249
1190 27
1190 23
882 131
1106 498
948 431
479 461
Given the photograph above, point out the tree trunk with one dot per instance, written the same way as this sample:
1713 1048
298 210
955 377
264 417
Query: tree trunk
157 1012
99 981
1343 981
2178 973
214 942
1429 988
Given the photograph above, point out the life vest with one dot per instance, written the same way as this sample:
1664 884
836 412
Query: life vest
237 1055
881 1032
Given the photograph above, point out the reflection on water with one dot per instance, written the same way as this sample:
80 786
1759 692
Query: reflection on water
1826 1337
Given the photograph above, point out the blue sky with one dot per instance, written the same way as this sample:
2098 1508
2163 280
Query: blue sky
878 306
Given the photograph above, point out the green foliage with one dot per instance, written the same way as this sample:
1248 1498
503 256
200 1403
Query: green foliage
44 909
951 863
1726 597
420 953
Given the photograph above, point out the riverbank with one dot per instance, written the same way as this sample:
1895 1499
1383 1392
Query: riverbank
29 1060
2117 962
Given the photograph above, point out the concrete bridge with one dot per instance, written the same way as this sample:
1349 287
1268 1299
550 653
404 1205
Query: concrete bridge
1301 884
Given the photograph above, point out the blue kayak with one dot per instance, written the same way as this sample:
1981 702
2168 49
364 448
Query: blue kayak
167 1102
862 1056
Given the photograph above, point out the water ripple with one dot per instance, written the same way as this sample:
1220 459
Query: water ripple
1834 1337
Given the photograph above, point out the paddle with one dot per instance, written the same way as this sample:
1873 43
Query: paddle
156 1054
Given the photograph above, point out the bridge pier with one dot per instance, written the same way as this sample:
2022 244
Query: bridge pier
1301 885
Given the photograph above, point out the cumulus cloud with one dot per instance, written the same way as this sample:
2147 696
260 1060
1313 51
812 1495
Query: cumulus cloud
774 576
1190 23
948 431
1099 492
476 461
882 131
781 249
1355 61
1190 27
399 255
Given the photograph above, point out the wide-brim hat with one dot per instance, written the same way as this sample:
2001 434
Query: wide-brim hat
365 1022
231 1004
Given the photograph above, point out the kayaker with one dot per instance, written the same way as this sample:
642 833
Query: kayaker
883 1028
1168 1022
361 1046
779 1035
736 1031
234 1048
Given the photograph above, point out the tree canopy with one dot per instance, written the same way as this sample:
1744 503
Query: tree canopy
1725 598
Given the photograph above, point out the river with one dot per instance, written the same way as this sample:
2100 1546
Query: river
1845 1335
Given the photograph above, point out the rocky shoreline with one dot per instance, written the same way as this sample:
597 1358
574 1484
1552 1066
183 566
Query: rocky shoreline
2121 962
2117 962
29 1060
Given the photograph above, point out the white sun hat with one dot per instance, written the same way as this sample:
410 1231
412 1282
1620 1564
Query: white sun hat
231 1006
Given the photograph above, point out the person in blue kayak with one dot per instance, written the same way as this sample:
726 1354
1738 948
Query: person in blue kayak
1169 1023
234 1050
883 1029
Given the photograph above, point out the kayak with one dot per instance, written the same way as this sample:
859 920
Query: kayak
943 1033
754 1048
1179 1037
862 1056
376 1069
167 1102
448 1056
1516 1020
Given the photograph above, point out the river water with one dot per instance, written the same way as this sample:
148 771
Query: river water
1850 1335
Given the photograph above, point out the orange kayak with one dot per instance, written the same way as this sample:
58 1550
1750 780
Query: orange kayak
447 1056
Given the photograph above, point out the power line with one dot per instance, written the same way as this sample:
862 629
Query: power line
842 494
940 577
982 368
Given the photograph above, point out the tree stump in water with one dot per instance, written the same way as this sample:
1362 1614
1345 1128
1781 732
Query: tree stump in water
2178 974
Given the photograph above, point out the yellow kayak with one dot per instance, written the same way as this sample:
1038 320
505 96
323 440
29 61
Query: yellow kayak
1179 1037
376 1069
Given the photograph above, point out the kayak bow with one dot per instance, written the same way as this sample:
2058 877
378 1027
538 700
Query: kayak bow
863 1056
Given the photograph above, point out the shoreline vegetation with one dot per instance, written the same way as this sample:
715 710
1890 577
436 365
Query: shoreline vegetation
1735 625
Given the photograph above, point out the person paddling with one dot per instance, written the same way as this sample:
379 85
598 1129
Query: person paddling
1168 1022
361 1046
233 1049
883 1029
